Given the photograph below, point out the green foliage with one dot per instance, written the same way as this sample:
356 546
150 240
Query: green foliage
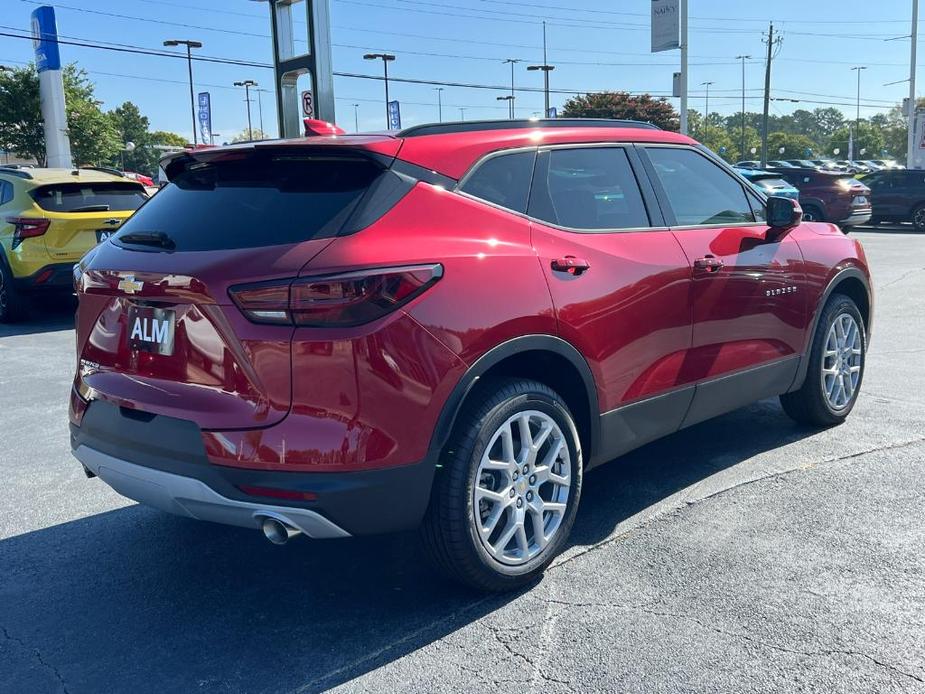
255 134
133 127
646 108
794 145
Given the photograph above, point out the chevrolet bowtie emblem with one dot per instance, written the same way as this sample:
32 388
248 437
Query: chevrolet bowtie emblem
112 222
128 284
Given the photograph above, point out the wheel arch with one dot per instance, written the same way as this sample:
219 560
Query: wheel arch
544 358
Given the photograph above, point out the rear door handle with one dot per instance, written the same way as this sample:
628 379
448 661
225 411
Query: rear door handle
709 263
570 264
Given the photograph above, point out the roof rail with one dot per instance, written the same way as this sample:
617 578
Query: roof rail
479 125
104 169
22 173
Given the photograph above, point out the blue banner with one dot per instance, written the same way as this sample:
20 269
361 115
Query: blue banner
553 112
394 116
45 39
205 118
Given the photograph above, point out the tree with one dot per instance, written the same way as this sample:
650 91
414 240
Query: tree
94 138
133 127
255 134
623 105
795 146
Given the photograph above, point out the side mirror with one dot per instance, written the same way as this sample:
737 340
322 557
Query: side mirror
783 213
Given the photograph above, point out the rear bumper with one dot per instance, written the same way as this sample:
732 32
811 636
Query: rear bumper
856 218
161 461
57 277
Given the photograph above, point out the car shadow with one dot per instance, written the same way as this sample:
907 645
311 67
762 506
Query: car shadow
136 600
45 315
900 229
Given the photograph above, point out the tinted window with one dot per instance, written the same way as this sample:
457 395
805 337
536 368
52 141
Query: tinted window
699 191
589 188
503 180
6 192
90 197
258 200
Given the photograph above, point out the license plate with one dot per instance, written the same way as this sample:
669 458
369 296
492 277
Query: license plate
151 329
104 234
860 199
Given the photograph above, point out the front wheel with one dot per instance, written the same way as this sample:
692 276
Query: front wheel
812 213
506 495
918 218
12 303
836 366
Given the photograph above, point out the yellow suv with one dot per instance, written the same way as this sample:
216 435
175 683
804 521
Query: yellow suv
48 219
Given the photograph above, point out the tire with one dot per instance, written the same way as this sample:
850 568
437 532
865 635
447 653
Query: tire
918 217
812 213
814 403
12 303
453 528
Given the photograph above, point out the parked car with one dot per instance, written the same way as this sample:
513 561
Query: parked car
48 219
851 167
803 163
749 164
778 164
769 183
146 181
889 164
827 165
445 327
898 196
830 197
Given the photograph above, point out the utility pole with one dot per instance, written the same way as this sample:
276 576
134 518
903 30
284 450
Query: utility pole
857 118
546 68
743 58
910 138
439 91
386 58
356 118
190 45
247 84
462 113
767 97
684 67
260 108
513 62
706 110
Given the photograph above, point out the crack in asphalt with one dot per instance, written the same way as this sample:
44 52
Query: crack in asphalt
903 276
38 656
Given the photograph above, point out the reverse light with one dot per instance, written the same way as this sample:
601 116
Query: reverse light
27 228
342 300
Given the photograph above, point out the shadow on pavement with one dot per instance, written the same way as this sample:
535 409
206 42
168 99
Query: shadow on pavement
46 314
136 600
902 229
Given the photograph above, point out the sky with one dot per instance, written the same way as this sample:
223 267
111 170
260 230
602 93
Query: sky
594 45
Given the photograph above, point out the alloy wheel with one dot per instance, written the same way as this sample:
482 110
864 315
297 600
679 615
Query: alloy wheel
522 487
918 218
841 361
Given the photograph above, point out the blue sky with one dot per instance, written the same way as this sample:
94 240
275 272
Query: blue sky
595 45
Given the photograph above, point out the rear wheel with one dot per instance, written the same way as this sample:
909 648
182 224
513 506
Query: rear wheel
12 303
836 366
506 495
918 218
812 213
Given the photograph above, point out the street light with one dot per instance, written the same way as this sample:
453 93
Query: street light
247 84
743 58
386 58
462 113
706 115
546 70
439 91
857 122
510 104
356 118
512 62
190 45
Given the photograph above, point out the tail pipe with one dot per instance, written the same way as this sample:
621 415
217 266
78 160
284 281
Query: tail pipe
276 531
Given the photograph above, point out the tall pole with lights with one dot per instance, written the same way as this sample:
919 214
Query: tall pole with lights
386 58
857 117
743 58
247 84
512 62
190 45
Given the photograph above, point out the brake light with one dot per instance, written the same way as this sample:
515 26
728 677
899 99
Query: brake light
342 300
27 228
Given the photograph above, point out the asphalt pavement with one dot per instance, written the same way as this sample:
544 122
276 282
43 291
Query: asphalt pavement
745 554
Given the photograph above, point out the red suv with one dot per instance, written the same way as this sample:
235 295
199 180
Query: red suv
831 197
446 327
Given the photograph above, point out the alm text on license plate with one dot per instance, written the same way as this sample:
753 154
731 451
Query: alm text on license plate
151 329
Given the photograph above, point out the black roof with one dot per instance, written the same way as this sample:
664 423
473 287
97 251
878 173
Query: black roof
479 125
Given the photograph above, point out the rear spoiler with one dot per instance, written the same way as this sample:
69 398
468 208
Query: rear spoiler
316 128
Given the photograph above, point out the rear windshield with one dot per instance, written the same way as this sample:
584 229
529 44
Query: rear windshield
89 197
254 199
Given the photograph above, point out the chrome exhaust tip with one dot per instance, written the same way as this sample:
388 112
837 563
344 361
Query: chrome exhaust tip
277 532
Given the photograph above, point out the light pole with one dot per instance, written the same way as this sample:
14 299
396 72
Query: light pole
190 45
386 58
513 62
439 91
247 84
260 110
510 104
743 58
462 113
857 121
546 70
356 118
706 110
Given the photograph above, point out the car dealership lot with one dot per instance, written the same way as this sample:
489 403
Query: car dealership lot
744 554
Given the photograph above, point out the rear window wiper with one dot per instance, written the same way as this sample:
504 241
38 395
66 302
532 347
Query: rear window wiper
90 208
148 238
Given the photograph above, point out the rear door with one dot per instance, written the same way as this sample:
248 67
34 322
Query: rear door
748 290
620 285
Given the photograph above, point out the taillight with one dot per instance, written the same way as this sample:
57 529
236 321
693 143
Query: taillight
27 228
342 300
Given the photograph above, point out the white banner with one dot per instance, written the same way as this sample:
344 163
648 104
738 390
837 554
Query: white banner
665 25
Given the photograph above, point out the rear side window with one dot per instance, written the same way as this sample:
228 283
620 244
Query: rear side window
255 200
89 197
698 190
503 180
6 192
590 188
